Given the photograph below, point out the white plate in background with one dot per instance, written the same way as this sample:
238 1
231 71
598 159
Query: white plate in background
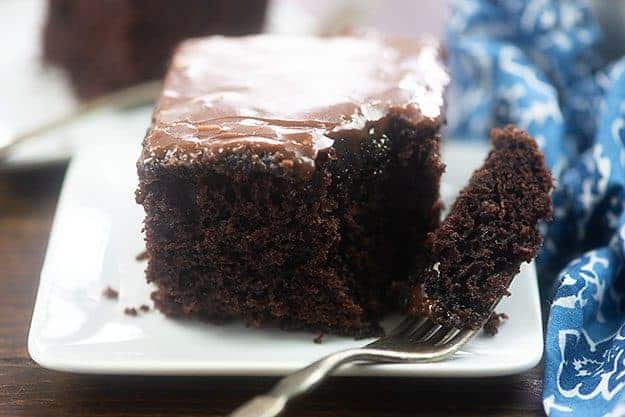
95 237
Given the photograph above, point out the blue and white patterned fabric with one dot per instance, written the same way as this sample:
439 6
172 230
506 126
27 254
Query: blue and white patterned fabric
531 63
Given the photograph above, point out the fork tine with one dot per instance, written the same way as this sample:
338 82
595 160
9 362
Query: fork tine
418 325
420 331
399 332
441 334
447 337
461 335
407 323
429 334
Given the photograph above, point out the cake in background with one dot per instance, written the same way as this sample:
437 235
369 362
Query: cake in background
107 45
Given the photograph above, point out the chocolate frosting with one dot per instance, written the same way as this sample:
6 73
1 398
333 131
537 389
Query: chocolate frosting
290 95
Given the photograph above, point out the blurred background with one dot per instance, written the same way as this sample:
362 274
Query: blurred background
61 55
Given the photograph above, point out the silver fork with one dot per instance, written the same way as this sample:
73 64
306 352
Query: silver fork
416 339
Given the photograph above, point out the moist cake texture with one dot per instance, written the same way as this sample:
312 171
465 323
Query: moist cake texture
491 229
291 181
107 45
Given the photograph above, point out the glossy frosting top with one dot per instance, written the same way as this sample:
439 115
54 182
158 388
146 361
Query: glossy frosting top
290 95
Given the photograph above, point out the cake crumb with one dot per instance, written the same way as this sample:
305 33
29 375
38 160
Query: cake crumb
319 339
494 321
130 311
110 293
144 308
142 256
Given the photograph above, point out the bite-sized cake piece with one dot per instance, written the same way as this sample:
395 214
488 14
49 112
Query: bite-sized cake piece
292 181
490 230
106 45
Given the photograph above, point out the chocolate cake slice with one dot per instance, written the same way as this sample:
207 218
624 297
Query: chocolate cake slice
107 45
491 229
292 181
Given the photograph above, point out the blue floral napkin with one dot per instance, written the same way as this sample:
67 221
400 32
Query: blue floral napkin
533 63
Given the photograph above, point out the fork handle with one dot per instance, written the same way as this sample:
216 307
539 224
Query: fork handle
305 380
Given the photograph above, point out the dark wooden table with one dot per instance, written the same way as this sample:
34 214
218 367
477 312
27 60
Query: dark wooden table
27 203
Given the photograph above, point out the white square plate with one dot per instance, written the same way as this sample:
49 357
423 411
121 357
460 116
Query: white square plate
95 238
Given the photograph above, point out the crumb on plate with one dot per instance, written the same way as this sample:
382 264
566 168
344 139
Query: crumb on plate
110 293
494 321
130 311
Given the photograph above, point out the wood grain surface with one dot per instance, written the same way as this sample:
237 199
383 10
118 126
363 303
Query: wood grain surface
27 203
